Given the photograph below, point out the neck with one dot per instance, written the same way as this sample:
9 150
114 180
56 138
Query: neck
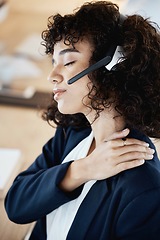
105 125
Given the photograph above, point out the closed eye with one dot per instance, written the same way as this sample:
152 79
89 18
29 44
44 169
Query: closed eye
69 63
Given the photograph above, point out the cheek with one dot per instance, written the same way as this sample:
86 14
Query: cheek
82 95
81 87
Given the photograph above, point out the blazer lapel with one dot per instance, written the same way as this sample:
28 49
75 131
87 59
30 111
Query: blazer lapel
73 139
85 215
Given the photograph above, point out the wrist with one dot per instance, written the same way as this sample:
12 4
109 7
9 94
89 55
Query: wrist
76 175
81 170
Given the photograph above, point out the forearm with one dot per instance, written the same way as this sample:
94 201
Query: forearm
35 195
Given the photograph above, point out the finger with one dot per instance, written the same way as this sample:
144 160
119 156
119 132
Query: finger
128 142
135 155
119 135
134 148
133 141
130 164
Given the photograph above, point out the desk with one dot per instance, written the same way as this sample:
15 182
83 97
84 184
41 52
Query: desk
21 128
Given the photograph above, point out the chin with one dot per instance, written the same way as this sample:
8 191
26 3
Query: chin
66 109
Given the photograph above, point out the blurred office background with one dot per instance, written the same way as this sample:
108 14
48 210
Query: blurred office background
23 74
22 60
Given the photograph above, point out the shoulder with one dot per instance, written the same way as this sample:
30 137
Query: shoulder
137 181
142 178
138 185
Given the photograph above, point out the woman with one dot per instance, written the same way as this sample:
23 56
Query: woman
77 188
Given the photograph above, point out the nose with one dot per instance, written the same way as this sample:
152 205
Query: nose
55 76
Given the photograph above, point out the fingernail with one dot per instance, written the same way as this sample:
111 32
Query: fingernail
146 144
141 161
125 130
151 150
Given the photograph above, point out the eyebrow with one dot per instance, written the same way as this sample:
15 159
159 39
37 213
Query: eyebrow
64 51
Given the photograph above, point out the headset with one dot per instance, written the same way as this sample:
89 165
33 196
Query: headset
109 61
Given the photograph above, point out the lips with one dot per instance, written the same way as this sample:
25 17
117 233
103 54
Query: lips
58 93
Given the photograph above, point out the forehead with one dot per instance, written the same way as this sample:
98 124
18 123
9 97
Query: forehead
82 46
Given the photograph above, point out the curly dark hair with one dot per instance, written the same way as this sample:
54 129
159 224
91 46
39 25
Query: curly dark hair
134 84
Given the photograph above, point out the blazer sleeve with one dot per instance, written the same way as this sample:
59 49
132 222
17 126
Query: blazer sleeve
35 192
140 219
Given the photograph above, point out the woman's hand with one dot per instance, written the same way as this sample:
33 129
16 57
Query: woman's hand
115 155
112 156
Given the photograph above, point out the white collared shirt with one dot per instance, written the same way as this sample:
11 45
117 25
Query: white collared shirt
60 220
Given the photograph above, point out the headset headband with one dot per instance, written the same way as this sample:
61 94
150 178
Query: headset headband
103 62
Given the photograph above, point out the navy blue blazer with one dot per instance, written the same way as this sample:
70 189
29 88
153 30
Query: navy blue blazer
125 206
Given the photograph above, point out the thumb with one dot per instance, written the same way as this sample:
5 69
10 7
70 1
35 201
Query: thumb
120 134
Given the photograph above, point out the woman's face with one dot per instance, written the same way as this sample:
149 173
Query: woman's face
67 62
